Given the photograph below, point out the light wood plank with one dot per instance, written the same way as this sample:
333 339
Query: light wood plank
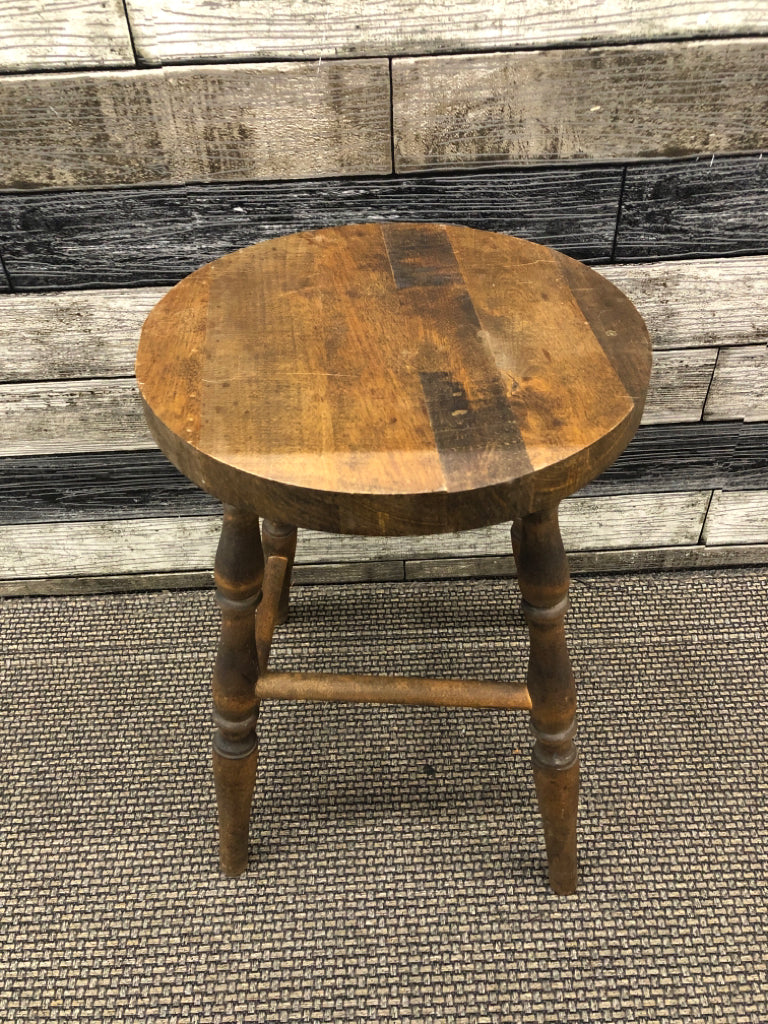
632 560
36 35
167 31
698 303
68 335
105 414
76 416
679 382
185 544
635 102
737 517
740 385
243 122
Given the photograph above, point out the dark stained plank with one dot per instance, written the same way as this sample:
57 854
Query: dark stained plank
194 124
102 485
715 207
689 456
38 35
4 285
168 32
631 102
143 484
156 236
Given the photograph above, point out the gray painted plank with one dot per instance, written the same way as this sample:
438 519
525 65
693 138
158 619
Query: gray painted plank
167 31
699 303
737 517
186 544
740 385
42 35
95 130
610 103
139 237
715 207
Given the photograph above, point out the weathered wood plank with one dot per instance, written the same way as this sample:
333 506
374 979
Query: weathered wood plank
680 380
95 130
581 562
631 102
715 207
198 30
4 283
94 333
156 236
740 385
105 414
76 416
184 544
79 33
629 560
737 517
699 303
143 484
68 335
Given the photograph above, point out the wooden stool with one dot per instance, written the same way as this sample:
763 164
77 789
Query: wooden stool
388 380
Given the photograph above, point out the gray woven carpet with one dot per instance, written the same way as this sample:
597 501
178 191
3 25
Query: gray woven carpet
400 867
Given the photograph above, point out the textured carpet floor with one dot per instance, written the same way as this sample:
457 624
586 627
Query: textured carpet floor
400 869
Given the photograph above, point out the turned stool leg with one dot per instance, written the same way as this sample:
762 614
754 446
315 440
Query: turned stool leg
280 539
543 577
239 571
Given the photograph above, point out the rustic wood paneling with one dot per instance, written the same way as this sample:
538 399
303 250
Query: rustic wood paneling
680 380
715 207
156 236
699 303
143 484
95 130
740 385
199 30
185 544
40 34
4 284
610 103
737 517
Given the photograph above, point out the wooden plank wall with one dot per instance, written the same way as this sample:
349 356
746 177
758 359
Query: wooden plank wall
140 140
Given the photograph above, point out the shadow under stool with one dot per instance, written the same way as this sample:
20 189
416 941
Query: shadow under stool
390 380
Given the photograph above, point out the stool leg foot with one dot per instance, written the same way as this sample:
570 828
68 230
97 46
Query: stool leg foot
239 572
544 578
280 539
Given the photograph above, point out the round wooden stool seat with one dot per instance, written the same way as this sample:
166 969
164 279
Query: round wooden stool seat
393 379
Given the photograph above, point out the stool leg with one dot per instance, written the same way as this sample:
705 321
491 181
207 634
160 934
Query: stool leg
239 572
280 539
544 577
